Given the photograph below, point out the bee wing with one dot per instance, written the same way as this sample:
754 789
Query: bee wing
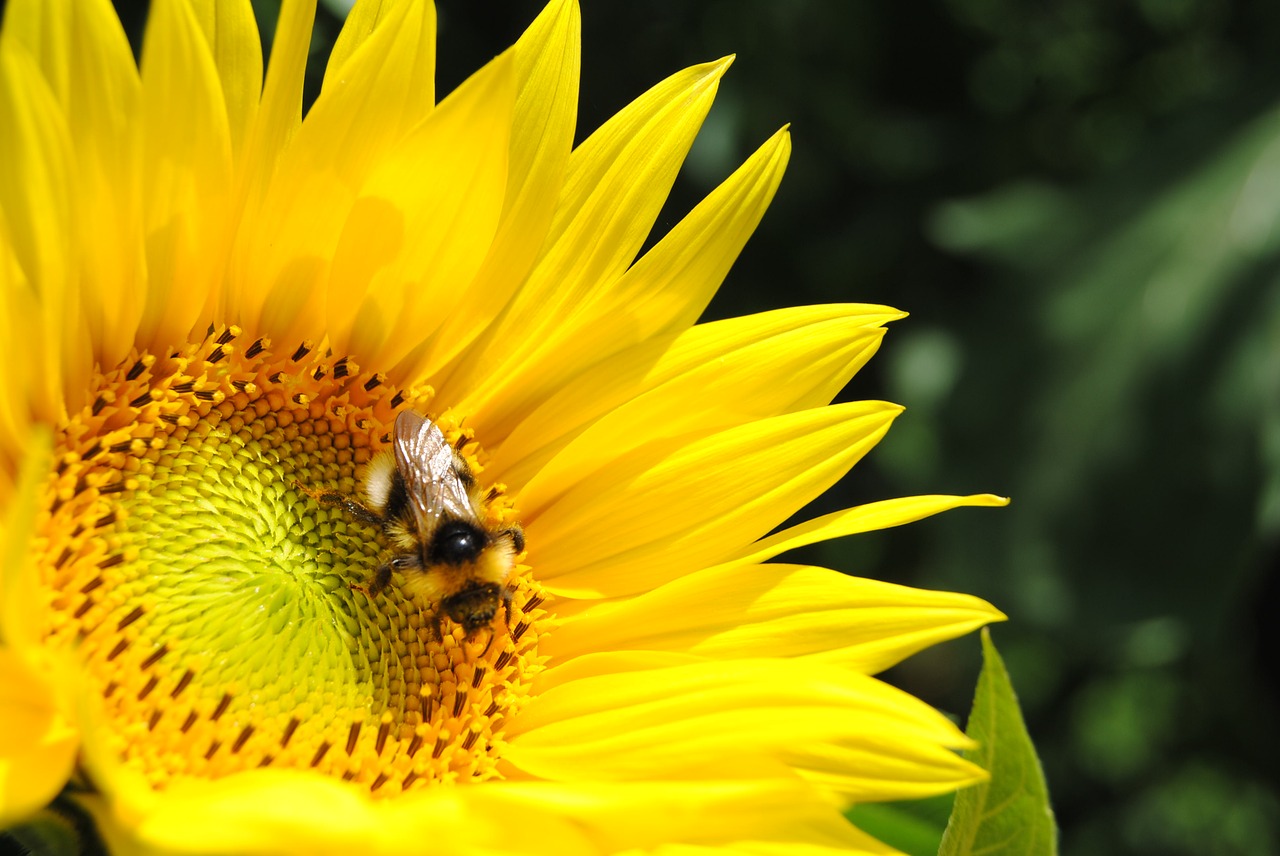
431 479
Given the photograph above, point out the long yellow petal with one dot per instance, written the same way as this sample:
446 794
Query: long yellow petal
424 222
862 518
85 58
663 292
188 177
546 68
287 242
752 610
618 816
598 390
615 187
274 124
795 370
37 174
692 720
688 505
37 744
231 32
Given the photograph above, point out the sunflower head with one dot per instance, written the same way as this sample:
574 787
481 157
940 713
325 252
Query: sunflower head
363 485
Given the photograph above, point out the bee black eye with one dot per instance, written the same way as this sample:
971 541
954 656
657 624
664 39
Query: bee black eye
457 542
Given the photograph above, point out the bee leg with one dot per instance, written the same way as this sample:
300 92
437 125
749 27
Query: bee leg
381 579
437 634
516 534
353 507
507 597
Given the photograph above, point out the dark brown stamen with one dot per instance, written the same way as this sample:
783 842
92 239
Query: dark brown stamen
145 398
378 782
320 753
105 520
188 722
383 730
415 744
397 399
138 368
154 720
478 675
352 736
409 780
217 356
256 348
98 404
133 616
470 740
242 739
182 683
226 336
91 452
439 747
303 350
223 704
91 585
374 382
520 629
213 747
288 732
155 657
148 687
184 388
118 650
503 659
84 607
491 710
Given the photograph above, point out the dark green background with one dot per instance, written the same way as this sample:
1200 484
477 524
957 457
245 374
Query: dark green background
1077 202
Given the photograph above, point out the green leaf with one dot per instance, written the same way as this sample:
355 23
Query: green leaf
913 827
1009 814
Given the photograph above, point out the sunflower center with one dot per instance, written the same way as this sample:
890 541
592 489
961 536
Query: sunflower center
222 610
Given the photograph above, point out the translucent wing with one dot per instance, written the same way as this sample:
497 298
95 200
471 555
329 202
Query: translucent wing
431 478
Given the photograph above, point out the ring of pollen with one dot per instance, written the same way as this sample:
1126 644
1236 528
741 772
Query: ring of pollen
216 606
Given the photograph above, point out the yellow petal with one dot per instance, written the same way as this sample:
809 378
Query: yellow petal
281 274
188 176
410 78
85 58
795 370
274 124
546 69
855 735
37 175
862 518
748 610
423 223
663 292
617 182
37 743
688 505
598 390
612 817
231 32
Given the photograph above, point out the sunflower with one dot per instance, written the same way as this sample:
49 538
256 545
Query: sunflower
212 312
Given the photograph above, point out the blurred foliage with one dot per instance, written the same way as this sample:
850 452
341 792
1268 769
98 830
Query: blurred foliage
1077 202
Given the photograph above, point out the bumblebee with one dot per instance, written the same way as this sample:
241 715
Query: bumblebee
424 497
